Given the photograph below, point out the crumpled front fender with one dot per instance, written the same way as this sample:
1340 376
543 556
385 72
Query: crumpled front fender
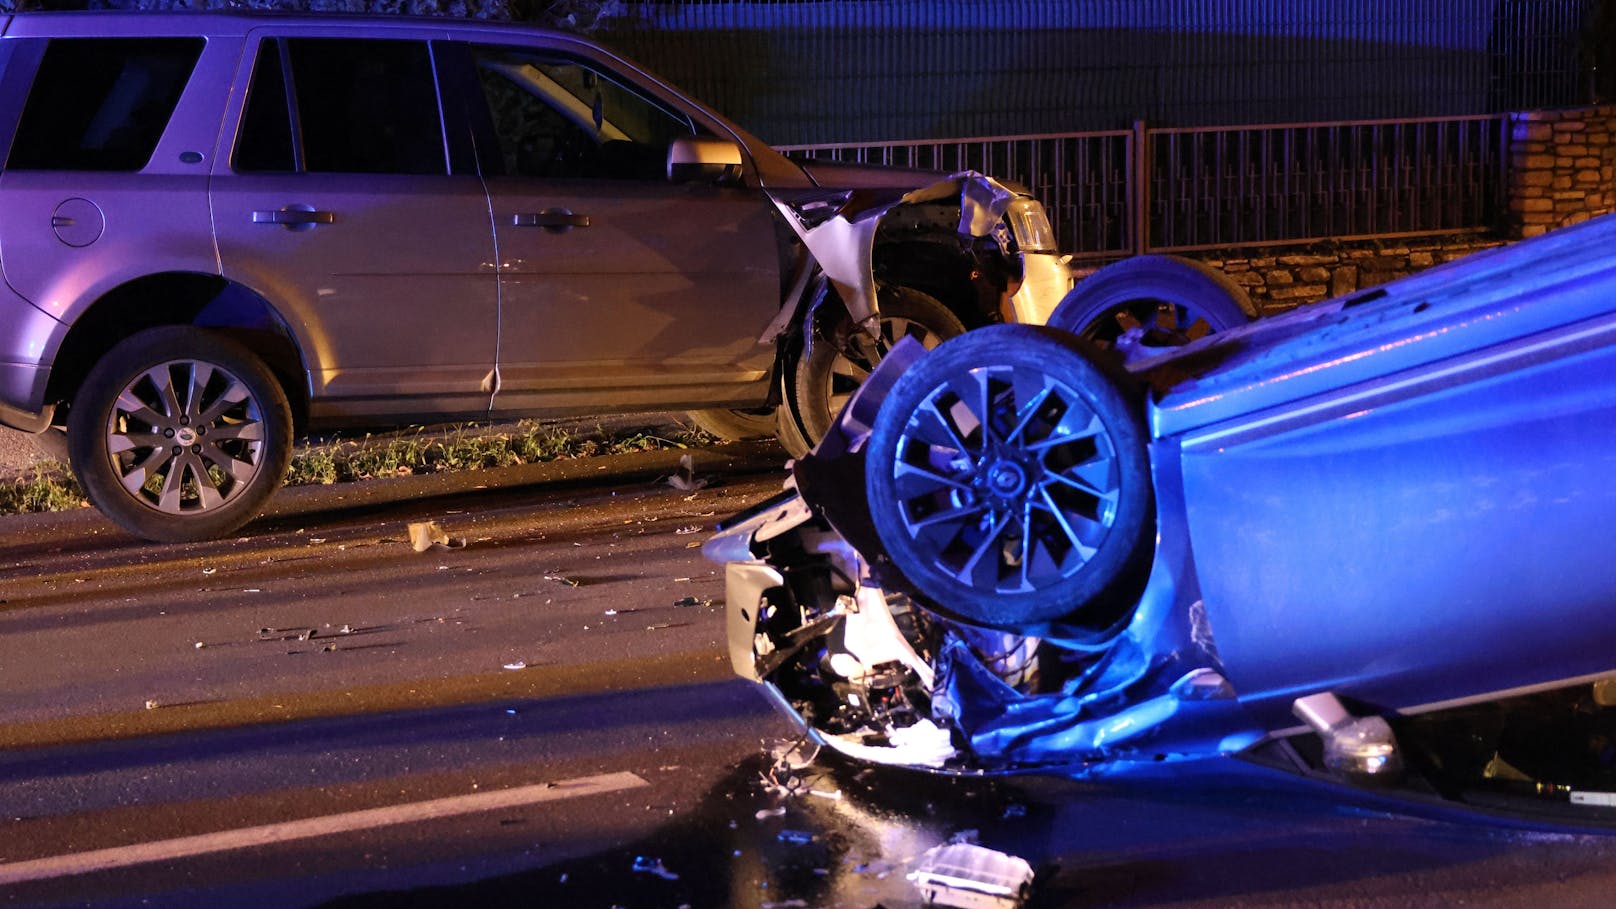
839 228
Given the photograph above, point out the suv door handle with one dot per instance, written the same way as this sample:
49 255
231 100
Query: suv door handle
554 220
294 217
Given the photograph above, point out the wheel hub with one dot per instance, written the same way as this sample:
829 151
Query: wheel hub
1004 479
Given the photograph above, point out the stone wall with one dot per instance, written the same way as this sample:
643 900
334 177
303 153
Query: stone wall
1282 278
1562 168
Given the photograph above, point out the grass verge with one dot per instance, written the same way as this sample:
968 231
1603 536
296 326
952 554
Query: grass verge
51 487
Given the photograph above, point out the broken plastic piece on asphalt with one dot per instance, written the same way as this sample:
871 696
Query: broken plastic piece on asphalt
972 877
153 704
692 601
693 528
519 664
771 812
648 865
426 535
684 479
795 837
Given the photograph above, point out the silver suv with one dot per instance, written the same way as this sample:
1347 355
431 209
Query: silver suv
220 230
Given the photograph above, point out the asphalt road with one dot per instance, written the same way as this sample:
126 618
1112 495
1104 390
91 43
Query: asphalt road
314 714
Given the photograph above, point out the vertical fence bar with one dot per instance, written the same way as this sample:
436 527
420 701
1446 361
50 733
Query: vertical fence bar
1138 180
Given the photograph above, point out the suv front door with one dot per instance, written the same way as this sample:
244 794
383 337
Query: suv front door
618 289
339 203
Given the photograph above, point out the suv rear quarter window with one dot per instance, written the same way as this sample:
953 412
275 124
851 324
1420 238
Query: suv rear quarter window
101 104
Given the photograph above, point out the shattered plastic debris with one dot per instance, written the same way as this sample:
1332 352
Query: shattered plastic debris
648 865
795 837
519 664
426 535
563 579
693 528
684 479
692 601
971 877
767 813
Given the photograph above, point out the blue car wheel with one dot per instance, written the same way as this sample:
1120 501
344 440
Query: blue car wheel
1008 480
1147 305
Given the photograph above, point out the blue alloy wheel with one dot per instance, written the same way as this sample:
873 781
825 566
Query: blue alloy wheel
1008 479
1164 301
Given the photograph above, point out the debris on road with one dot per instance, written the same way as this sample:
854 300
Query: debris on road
684 479
972 877
647 865
692 601
425 535
795 837
563 579
692 528
519 664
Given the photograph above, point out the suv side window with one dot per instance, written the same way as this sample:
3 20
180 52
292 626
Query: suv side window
361 107
101 104
559 118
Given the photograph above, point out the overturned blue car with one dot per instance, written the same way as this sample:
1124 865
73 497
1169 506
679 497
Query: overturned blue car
1365 540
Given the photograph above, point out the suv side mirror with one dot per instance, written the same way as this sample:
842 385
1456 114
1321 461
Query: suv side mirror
694 159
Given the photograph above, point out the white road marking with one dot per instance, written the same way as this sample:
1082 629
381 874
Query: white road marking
247 837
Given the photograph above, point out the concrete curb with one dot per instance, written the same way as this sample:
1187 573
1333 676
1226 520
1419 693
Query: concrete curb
294 503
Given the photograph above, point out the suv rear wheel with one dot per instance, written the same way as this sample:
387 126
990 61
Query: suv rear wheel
180 434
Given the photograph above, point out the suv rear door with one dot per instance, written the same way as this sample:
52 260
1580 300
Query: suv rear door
339 202
619 289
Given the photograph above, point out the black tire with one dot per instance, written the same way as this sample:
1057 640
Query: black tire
52 443
955 499
830 370
1172 299
172 460
735 425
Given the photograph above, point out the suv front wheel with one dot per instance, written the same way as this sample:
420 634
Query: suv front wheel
180 434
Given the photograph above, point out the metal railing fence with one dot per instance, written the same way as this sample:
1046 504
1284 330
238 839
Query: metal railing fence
1083 179
1121 192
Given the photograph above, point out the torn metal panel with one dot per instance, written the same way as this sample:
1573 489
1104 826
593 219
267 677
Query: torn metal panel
839 228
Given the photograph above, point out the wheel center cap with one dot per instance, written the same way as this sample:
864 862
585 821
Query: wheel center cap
185 435
1006 478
